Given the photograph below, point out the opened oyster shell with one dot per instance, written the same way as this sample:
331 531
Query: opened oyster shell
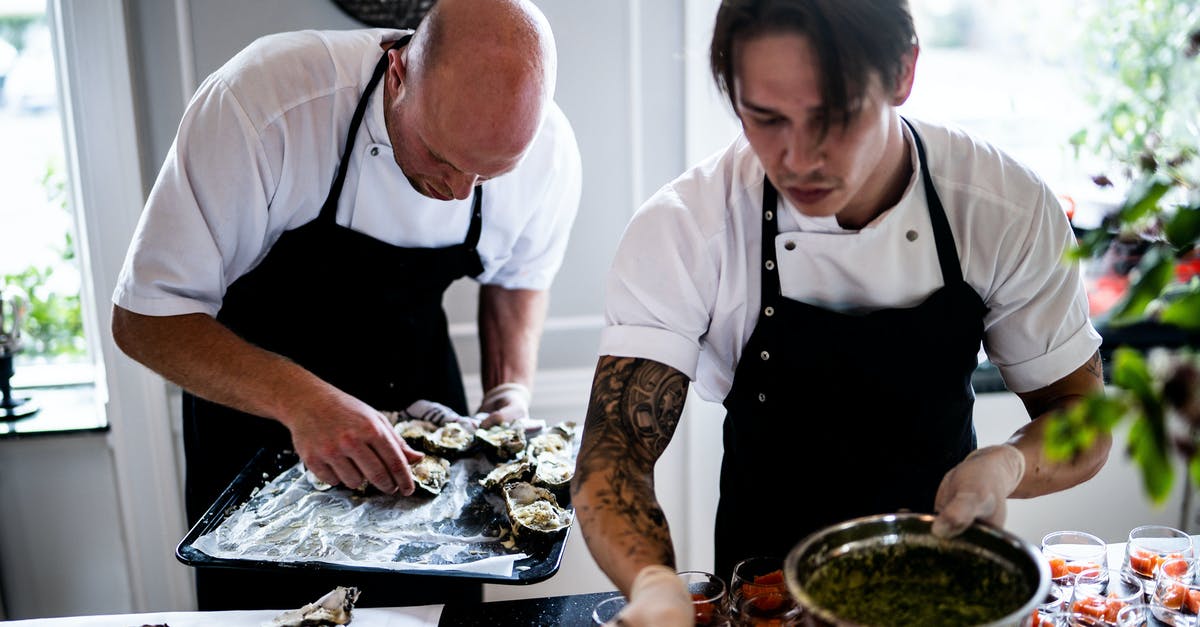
450 440
519 470
332 609
566 428
431 474
554 473
533 512
414 431
501 442
552 443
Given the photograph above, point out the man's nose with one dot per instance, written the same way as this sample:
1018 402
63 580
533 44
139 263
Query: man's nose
804 151
461 184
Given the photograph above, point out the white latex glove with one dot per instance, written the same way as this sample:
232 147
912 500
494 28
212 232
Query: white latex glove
436 413
657 598
507 403
977 488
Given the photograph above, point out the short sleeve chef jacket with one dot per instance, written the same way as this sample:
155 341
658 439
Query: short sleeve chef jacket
257 151
684 287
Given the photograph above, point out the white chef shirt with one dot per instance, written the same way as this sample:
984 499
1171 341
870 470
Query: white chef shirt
257 151
684 287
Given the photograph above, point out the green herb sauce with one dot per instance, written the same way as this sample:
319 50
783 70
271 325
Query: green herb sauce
904 585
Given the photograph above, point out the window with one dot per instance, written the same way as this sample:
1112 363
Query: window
38 261
1013 73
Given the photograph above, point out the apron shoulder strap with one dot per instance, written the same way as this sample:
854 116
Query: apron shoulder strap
942 235
329 209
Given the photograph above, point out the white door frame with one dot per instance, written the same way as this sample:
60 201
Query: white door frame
103 160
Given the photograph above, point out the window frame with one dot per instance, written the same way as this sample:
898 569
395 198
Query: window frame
103 165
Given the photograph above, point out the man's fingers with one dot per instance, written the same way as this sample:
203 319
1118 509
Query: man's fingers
348 474
962 510
322 473
393 458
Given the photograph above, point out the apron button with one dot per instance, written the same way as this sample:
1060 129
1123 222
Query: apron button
790 245
770 215
762 398
911 235
765 355
374 151
770 264
770 311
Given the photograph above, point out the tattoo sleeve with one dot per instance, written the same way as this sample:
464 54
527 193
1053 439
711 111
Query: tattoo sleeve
633 412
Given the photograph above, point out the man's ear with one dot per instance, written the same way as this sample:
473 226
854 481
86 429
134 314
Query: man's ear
397 70
904 81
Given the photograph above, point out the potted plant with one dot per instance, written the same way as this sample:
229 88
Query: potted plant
1147 95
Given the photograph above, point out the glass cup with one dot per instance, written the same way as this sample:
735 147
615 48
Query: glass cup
756 575
767 608
607 609
1175 599
1101 597
710 597
1148 547
1077 619
1069 552
1135 615
1054 603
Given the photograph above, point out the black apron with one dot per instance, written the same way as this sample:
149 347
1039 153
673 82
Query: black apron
361 314
834 416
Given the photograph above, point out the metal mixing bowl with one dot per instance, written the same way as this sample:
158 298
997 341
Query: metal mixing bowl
883 530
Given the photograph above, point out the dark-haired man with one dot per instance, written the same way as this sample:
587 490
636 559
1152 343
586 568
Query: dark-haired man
324 190
830 277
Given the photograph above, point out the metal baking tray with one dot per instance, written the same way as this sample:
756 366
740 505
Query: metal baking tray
542 561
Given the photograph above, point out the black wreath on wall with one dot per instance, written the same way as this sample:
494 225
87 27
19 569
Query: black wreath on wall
386 13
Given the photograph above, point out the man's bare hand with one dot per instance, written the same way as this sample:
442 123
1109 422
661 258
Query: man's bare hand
342 440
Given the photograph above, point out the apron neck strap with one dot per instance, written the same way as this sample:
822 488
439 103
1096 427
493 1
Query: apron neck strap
329 209
942 235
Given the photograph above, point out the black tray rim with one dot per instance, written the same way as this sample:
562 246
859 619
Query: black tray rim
542 562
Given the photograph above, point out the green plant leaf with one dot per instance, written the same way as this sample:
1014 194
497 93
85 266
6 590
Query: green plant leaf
1147 451
1091 244
1075 429
1182 230
1155 271
1143 198
1131 373
1184 312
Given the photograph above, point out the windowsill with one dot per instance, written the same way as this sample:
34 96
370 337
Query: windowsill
62 410
38 375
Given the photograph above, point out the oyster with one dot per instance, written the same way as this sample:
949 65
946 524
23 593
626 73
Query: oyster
414 431
450 440
431 474
518 470
567 429
533 512
501 442
551 443
554 473
332 609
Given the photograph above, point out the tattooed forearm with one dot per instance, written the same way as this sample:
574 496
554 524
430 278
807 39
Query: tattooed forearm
634 410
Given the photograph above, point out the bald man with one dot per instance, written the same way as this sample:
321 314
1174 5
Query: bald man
323 191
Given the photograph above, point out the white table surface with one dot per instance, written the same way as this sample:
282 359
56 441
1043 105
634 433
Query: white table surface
418 616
